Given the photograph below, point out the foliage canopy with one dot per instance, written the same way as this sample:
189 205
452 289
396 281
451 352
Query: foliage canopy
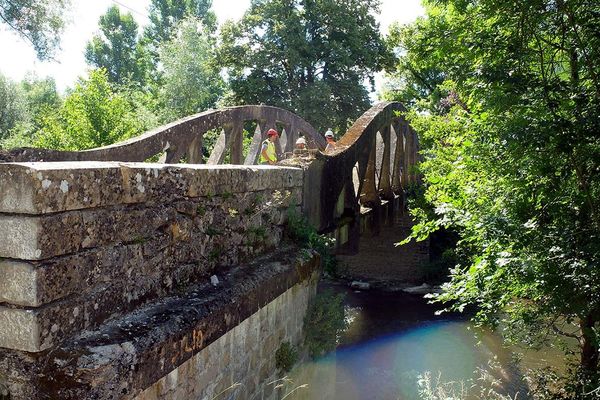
509 94
116 48
310 57
92 115
191 82
39 22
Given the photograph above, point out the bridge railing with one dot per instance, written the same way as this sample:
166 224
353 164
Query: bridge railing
372 165
183 140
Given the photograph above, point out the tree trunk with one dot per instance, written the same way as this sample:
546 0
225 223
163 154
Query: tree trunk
589 344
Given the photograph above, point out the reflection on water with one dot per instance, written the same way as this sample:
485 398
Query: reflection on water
392 339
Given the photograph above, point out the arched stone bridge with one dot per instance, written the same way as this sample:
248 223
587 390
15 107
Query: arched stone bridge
171 279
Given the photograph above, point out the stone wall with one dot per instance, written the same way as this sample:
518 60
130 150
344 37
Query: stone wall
241 364
105 268
379 260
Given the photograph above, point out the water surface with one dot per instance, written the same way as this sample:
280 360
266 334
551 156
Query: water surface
392 340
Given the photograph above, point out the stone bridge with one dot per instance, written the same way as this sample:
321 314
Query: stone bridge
136 271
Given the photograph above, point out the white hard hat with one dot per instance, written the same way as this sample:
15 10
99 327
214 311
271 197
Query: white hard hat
301 140
329 133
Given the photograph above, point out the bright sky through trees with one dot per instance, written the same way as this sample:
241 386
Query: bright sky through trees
19 56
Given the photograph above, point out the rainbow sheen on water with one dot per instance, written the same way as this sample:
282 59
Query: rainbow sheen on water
392 340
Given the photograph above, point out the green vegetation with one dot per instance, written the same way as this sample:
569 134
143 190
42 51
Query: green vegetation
258 234
211 231
226 195
214 254
286 356
190 82
13 107
506 101
38 22
485 386
117 49
303 233
310 57
164 16
323 323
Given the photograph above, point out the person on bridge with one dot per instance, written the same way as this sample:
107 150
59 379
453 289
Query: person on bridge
301 143
331 145
268 154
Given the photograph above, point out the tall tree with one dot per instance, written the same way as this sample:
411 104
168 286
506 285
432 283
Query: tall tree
309 56
117 49
512 161
35 98
191 82
39 22
164 16
413 80
13 106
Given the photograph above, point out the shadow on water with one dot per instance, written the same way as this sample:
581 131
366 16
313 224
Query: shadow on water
392 339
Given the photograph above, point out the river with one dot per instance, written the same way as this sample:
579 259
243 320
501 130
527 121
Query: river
393 339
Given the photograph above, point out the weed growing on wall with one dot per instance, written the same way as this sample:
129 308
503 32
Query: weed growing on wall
286 356
301 231
324 322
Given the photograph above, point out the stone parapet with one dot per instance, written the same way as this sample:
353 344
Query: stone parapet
47 187
116 236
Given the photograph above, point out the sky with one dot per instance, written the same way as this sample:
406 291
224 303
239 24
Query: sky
18 57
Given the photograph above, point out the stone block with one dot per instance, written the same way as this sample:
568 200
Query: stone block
47 187
19 329
34 238
18 283
44 326
105 245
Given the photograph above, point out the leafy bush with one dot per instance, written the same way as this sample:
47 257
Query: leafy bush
323 322
576 384
301 231
286 356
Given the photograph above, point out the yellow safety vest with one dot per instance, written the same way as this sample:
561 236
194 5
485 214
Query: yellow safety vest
270 152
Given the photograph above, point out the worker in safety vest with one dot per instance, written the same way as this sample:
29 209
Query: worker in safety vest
268 155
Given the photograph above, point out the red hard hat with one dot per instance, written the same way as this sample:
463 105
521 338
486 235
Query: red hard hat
272 132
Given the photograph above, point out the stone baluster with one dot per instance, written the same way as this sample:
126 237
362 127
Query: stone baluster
237 142
253 151
194 149
385 187
369 195
286 138
171 154
408 162
397 182
218 152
